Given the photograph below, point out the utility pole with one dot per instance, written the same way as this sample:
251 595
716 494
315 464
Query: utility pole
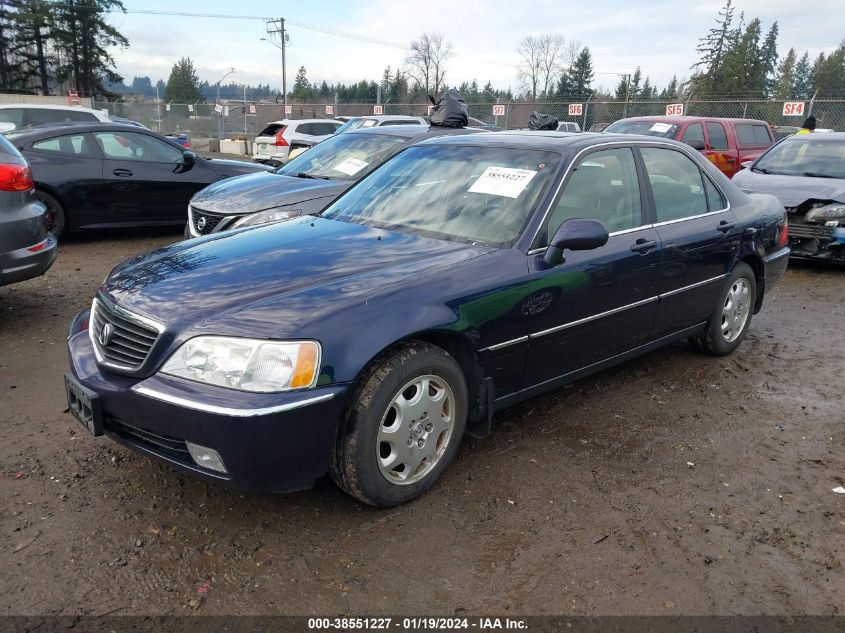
277 27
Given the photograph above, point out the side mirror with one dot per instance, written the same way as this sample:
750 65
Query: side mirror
576 234
696 144
746 164
188 159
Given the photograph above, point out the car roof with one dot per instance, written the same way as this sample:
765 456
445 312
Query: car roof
680 119
388 117
817 136
40 106
79 126
289 121
549 140
414 131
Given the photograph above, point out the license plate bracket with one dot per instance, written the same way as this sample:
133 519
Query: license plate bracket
84 405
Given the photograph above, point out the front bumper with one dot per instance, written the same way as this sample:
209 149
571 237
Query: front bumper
268 442
28 262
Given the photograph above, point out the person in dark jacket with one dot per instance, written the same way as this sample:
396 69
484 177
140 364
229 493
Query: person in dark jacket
809 125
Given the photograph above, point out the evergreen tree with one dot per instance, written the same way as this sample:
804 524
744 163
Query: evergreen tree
670 92
712 49
803 78
785 84
302 91
576 82
183 86
829 73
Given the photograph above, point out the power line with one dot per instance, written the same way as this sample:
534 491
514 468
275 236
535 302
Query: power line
224 16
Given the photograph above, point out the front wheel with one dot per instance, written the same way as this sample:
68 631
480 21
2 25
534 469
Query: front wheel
729 323
403 427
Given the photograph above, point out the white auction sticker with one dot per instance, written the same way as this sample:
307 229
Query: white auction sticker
503 181
350 166
661 127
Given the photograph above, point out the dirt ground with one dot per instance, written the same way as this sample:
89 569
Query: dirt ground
674 484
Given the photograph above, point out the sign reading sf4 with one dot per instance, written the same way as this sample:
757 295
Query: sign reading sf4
793 108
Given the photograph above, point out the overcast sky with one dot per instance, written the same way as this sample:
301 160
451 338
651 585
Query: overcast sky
660 36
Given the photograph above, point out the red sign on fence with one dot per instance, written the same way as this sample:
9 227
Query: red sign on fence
288 109
576 109
498 110
378 109
793 108
675 109
329 109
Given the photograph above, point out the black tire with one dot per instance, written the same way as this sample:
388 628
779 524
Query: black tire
712 339
354 464
55 217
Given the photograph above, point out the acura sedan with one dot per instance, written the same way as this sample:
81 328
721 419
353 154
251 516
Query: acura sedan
104 174
465 275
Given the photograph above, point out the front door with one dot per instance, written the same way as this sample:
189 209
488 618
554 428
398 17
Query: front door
699 234
598 303
145 180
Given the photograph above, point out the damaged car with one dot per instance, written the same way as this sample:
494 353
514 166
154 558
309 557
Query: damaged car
806 172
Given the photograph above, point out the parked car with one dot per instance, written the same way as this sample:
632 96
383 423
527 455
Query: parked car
466 274
306 184
181 139
726 142
568 126
807 174
27 249
104 174
273 142
378 120
16 116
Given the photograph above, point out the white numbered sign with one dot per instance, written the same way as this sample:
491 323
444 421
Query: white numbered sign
378 109
498 110
329 109
675 109
576 109
793 108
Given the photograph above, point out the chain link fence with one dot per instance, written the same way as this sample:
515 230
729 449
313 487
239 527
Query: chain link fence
237 119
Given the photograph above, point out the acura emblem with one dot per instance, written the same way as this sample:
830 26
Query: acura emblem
201 224
105 335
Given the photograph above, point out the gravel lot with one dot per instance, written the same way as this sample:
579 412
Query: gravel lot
674 484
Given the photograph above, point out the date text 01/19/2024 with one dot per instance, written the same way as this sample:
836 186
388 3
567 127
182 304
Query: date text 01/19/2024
416 624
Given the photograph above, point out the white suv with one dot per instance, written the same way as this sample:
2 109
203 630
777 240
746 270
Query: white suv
15 116
273 143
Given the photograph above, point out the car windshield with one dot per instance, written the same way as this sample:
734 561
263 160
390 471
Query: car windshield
801 156
344 157
649 128
458 193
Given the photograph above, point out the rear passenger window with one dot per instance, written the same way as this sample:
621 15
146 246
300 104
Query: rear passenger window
693 133
749 134
76 144
603 186
715 200
676 183
271 130
320 129
718 137
37 116
304 128
13 116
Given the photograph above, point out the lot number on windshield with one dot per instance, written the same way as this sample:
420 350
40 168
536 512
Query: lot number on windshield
503 181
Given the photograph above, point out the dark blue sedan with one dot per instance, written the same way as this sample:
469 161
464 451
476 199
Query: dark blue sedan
463 276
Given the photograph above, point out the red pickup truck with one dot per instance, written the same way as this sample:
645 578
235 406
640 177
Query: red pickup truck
726 142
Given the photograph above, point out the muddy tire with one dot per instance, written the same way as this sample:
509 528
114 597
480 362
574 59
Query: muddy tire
403 426
55 216
731 319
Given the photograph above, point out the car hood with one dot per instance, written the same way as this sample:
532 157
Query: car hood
266 190
227 167
792 191
218 277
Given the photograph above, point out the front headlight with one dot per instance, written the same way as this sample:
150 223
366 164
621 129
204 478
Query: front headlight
264 217
826 213
246 364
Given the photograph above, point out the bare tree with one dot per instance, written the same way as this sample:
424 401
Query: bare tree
543 60
427 61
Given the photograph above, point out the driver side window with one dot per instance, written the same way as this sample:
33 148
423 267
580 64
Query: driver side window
603 186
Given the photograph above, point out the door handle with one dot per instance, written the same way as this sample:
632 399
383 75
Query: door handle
643 246
725 226
122 173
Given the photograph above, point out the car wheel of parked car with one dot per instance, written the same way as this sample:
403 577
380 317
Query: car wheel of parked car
403 427
55 213
732 318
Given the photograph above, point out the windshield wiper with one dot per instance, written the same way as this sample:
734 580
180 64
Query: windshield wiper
762 170
302 174
815 174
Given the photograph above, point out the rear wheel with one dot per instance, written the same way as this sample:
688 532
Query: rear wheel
403 427
55 217
730 321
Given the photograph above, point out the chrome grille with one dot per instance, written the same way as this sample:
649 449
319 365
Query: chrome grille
122 340
809 231
204 223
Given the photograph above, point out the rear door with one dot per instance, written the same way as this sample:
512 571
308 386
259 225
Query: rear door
699 233
597 303
752 138
265 142
719 149
145 179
